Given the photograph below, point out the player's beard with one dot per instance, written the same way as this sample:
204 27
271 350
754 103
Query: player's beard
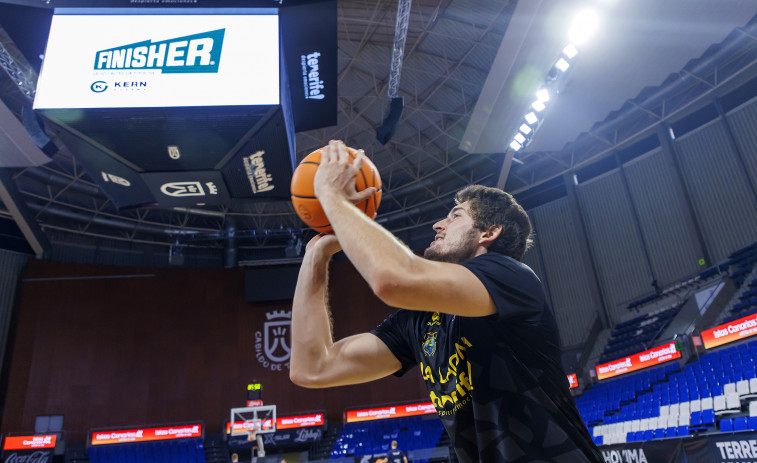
459 251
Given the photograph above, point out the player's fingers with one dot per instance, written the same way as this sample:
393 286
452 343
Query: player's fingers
364 194
343 156
359 159
326 153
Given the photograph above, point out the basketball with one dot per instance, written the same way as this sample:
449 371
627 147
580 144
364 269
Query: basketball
303 195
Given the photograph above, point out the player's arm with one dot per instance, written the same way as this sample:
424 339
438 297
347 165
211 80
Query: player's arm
316 360
396 275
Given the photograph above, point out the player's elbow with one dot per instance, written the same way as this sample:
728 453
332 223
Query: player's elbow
387 286
305 379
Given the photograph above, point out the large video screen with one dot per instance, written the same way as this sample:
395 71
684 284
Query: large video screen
137 58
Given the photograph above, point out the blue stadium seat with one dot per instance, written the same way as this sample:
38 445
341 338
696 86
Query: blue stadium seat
740 424
726 425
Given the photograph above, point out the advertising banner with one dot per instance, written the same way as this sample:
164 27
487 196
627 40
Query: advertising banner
723 448
129 59
286 437
283 422
662 451
309 40
145 435
730 332
46 441
395 411
29 449
573 380
638 361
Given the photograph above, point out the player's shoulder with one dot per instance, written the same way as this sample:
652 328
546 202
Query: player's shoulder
498 262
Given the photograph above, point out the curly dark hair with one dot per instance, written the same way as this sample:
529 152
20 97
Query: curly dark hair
492 207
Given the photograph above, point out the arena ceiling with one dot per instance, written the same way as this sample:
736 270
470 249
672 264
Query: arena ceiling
470 71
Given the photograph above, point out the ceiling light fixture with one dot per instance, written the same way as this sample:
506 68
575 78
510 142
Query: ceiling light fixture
583 27
570 51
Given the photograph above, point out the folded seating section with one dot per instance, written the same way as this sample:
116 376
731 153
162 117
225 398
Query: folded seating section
174 450
375 437
711 394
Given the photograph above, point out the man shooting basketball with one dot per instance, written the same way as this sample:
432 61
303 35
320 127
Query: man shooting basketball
473 318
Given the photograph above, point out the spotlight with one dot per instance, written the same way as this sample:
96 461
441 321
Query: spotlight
543 95
531 118
562 65
520 138
583 27
515 145
538 106
525 129
570 51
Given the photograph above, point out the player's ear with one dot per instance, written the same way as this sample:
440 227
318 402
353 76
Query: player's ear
489 235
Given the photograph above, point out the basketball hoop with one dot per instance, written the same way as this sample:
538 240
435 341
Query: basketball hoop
255 438
253 430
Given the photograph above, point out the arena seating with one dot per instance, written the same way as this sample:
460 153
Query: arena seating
742 262
714 393
638 334
375 437
174 450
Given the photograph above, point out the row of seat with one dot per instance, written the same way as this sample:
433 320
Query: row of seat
174 450
718 386
636 334
374 437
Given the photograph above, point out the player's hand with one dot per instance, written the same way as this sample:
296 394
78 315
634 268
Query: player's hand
336 174
326 244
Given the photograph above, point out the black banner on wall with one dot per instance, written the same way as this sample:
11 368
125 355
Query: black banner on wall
663 451
717 448
309 39
724 448
281 438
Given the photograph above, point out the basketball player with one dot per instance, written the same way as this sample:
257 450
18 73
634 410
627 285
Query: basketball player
472 317
394 455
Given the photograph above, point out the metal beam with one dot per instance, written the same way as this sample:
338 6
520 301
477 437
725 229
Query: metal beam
22 216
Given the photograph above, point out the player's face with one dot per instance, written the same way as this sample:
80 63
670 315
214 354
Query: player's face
456 239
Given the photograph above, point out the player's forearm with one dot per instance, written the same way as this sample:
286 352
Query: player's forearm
311 324
381 259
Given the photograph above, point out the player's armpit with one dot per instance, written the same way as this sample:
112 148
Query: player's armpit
352 360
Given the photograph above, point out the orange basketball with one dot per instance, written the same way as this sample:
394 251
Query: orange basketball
303 195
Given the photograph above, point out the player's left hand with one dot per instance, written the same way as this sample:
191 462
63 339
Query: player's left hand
336 174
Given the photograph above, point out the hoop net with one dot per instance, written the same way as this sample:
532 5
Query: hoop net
252 430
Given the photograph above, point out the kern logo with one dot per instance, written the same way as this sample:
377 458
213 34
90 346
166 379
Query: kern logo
189 54
311 79
272 345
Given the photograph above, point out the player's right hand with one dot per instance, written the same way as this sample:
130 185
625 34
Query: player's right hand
328 244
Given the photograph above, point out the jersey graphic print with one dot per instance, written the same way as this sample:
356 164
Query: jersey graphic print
449 382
